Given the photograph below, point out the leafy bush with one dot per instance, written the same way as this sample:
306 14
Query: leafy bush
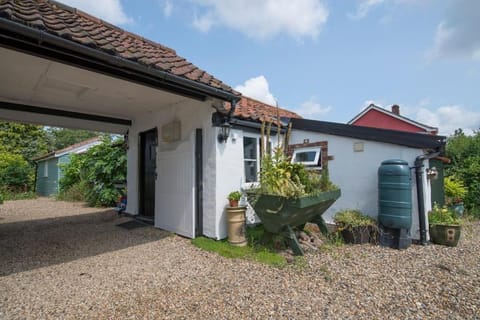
455 190
16 174
93 174
444 216
464 151
348 219
75 192
279 176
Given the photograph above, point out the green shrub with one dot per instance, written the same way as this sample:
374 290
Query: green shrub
455 190
16 174
75 192
348 219
91 175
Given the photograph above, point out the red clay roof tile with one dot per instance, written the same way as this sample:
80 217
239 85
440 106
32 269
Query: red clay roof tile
251 109
82 28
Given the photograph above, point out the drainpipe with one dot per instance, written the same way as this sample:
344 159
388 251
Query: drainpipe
233 105
420 196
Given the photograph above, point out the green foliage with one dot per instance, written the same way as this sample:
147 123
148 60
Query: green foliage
16 174
75 192
28 140
278 176
348 219
455 190
444 216
234 195
464 151
9 195
96 170
62 138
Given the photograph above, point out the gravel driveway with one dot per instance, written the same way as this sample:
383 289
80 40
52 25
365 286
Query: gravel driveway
61 260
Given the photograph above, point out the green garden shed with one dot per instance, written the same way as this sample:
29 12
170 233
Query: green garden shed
49 172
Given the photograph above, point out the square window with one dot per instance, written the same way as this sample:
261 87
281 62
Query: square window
308 156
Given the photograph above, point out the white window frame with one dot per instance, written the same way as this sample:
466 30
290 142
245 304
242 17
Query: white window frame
315 162
45 169
257 160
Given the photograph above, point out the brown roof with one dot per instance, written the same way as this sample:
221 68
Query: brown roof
66 149
251 109
79 27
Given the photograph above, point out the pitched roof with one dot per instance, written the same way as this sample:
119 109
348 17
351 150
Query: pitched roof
75 26
254 110
70 149
408 139
393 115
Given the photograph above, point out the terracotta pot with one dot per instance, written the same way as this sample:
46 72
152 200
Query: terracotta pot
233 203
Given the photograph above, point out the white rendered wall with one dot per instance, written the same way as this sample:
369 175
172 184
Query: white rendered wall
175 184
356 173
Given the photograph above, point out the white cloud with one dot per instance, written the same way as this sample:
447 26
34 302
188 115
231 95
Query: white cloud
257 88
364 8
108 10
457 35
167 8
311 109
265 18
450 118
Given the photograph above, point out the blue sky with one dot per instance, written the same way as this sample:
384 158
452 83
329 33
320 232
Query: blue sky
325 59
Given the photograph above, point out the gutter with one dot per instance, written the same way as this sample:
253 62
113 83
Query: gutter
420 196
78 50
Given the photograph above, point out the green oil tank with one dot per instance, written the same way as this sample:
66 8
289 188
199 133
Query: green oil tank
394 194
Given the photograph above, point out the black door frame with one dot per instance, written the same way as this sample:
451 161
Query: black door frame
198 182
141 164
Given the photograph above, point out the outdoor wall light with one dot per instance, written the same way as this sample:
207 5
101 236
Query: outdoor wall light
224 131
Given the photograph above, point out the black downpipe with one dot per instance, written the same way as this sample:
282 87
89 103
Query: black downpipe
420 196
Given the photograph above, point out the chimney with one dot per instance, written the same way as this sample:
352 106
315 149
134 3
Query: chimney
396 109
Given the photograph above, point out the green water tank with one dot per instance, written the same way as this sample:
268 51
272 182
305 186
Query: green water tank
394 194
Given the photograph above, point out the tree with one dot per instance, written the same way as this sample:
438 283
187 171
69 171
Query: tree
28 140
464 151
62 137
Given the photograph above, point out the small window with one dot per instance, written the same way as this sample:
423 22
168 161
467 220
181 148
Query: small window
250 158
307 156
45 169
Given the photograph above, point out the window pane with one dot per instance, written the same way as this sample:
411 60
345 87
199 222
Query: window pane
249 148
250 170
306 156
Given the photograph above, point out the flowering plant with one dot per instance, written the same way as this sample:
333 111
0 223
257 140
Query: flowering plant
443 215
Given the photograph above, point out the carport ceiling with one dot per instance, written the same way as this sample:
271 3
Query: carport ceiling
35 81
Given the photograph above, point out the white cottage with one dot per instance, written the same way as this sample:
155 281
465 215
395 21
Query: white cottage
353 155
63 67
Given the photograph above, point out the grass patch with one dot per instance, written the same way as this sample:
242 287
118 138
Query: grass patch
255 250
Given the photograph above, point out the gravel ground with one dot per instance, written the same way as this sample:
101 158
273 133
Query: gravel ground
64 261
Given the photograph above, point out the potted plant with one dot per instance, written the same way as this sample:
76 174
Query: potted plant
445 226
233 198
455 191
355 227
236 220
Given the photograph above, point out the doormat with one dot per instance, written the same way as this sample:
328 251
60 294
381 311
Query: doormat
132 224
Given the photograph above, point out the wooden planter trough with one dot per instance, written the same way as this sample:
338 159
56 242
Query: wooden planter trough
280 215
